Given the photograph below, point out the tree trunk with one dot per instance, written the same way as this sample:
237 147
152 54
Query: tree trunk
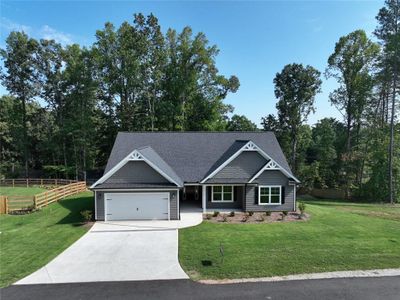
294 149
391 145
25 133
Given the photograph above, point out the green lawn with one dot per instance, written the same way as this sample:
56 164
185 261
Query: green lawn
30 241
339 236
20 191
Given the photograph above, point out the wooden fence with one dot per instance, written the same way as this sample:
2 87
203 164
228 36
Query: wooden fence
13 203
26 182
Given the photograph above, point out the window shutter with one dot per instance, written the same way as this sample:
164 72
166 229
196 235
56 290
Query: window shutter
255 195
283 195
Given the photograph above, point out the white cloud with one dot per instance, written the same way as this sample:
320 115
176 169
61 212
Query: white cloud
49 33
45 32
12 26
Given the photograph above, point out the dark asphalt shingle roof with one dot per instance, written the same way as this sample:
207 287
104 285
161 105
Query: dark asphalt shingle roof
152 156
194 155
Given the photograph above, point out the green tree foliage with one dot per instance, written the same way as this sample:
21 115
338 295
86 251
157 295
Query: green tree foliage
240 123
20 60
134 77
388 32
295 88
351 65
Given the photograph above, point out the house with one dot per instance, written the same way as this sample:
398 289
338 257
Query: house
153 175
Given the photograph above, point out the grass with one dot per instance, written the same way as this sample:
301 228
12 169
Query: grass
30 241
339 236
20 191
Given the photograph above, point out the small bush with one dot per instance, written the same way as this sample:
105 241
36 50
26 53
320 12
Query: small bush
216 214
87 215
208 216
251 213
302 207
232 214
245 218
285 212
267 213
224 218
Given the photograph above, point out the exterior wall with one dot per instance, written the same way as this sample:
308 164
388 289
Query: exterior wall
173 203
241 169
136 172
270 177
238 199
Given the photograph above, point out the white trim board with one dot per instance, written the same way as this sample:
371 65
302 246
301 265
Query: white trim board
135 155
250 146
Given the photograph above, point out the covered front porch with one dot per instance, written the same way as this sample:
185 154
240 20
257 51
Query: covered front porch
208 198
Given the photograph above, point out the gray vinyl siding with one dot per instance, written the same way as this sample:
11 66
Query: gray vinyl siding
241 169
173 203
136 172
99 206
271 177
238 199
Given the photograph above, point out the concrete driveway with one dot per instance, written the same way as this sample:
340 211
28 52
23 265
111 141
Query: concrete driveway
119 251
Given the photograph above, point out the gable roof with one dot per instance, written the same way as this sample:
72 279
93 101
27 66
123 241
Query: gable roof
194 155
151 157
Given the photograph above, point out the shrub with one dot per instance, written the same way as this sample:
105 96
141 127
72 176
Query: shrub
232 214
245 218
302 207
267 213
87 215
285 212
216 214
208 216
224 218
251 213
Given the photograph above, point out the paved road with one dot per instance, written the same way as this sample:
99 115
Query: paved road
355 288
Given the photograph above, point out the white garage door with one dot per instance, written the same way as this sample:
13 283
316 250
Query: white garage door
136 206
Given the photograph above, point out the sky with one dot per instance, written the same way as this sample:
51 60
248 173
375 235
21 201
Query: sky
256 39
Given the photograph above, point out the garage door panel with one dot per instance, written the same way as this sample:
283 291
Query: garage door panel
137 206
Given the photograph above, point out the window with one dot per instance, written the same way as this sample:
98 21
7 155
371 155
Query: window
269 195
222 193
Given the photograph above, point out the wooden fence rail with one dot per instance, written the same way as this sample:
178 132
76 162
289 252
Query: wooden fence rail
45 198
35 181
14 203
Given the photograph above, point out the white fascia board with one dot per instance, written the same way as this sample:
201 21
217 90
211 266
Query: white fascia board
250 146
135 155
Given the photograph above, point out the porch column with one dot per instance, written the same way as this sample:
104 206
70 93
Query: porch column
203 198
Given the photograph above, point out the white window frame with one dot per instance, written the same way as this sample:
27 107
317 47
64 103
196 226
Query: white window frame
269 200
222 194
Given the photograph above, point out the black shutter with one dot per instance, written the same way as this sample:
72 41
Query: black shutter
283 195
255 194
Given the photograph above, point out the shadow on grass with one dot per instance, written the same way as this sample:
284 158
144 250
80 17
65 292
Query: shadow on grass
75 205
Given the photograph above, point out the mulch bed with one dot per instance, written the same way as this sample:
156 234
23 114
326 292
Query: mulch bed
257 217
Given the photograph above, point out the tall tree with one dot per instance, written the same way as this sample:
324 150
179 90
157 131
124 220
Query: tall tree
350 65
240 123
296 87
21 78
388 32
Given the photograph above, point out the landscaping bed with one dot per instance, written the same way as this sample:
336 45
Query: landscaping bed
254 217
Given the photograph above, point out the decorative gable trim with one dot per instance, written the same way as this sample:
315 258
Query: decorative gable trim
272 165
251 146
135 155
